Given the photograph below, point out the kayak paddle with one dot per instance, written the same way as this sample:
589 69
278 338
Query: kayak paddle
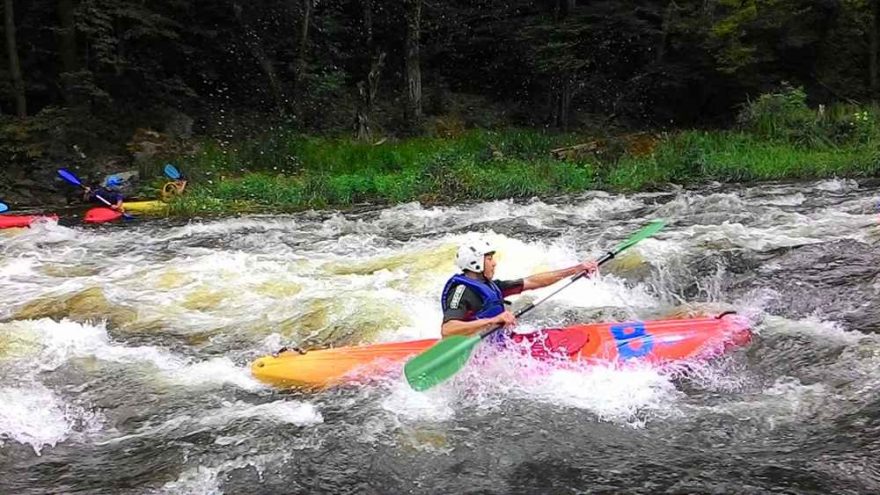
449 355
172 172
69 177
3 207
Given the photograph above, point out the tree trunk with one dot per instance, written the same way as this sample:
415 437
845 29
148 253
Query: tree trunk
708 10
560 102
69 78
872 54
668 17
563 8
268 67
14 64
565 97
367 99
67 36
367 88
413 112
299 65
368 25
561 85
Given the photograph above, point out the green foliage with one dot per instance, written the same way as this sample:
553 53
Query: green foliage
785 116
781 115
848 123
733 54
696 156
49 135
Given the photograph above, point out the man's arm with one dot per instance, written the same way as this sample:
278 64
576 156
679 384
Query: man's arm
548 278
458 327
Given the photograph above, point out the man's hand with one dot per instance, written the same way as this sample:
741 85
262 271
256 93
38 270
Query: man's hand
590 268
507 319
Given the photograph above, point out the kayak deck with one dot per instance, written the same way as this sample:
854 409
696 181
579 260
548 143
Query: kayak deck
653 341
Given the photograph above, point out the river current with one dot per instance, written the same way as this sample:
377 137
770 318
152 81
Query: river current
125 350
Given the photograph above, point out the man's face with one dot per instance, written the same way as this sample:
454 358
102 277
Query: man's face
489 266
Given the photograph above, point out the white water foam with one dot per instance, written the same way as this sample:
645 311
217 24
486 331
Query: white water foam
297 413
837 185
33 415
214 373
57 342
201 480
822 331
205 480
51 344
629 395
280 411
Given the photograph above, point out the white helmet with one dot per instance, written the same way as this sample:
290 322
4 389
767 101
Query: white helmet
470 255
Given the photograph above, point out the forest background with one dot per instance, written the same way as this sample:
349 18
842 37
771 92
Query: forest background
293 104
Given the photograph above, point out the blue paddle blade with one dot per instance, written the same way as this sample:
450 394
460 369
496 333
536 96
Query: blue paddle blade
69 177
171 171
3 207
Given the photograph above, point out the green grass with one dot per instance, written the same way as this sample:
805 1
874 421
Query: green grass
289 172
728 156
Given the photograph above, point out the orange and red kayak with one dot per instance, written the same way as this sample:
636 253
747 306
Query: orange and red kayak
20 221
653 341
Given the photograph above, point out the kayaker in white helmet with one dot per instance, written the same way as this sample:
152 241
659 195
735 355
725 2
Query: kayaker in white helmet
472 300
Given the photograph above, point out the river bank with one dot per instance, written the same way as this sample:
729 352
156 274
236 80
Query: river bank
292 173
776 137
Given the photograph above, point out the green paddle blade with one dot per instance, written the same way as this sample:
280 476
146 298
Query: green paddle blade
440 362
647 231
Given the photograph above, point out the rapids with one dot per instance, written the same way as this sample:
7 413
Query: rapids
125 350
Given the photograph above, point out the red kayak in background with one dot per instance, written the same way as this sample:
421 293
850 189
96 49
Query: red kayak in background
22 221
653 341
101 215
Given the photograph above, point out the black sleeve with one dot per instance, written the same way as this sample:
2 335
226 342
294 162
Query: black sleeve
461 301
510 287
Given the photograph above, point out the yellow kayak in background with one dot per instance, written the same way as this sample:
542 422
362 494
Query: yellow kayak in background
146 207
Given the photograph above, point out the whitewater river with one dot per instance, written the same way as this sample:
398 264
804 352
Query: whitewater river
125 351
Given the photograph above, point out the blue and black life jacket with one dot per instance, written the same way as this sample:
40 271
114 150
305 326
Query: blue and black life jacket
490 294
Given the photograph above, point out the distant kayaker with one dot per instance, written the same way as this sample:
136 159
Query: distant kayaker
472 300
109 191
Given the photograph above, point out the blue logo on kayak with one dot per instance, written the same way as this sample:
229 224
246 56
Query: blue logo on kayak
632 340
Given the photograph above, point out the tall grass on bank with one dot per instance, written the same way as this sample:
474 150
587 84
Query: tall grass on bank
730 156
328 172
778 137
